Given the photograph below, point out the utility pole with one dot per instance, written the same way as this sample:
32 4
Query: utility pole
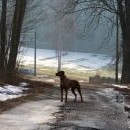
35 54
59 47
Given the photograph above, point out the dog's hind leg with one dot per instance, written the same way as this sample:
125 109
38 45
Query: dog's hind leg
73 91
79 90
61 94
66 93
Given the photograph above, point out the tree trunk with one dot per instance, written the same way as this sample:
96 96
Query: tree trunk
18 18
126 44
3 37
117 49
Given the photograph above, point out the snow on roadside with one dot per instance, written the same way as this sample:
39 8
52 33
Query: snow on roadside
10 91
108 92
119 86
23 84
112 94
4 96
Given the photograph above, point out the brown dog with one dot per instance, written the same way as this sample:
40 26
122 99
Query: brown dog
66 83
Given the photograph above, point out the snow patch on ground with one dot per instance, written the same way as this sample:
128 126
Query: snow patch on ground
30 116
10 91
23 84
119 86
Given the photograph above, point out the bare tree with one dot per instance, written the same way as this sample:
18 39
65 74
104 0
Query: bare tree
108 9
3 39
63 28
15 20
124 16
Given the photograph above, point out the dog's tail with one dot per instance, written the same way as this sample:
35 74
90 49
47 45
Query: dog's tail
79 90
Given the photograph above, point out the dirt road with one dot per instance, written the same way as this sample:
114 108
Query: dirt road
99 111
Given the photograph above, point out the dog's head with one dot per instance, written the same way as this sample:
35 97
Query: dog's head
60 73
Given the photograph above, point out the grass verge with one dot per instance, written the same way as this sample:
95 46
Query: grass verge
73 73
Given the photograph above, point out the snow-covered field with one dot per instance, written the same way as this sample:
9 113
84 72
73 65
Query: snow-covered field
75 60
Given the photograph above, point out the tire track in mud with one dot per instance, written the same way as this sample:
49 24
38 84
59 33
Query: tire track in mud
98 112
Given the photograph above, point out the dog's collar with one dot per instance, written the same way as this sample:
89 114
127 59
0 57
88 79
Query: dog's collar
63 78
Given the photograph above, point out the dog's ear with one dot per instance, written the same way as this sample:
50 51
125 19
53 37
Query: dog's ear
62 72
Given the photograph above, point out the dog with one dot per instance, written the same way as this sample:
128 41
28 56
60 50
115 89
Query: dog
66 83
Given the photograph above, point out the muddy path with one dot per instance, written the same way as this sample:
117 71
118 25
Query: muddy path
99 111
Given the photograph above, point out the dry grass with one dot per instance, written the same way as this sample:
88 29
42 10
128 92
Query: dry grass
72 73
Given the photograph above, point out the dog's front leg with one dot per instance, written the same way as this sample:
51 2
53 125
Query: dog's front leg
61 94
66 93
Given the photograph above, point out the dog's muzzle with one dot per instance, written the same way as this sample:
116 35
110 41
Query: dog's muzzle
56 74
